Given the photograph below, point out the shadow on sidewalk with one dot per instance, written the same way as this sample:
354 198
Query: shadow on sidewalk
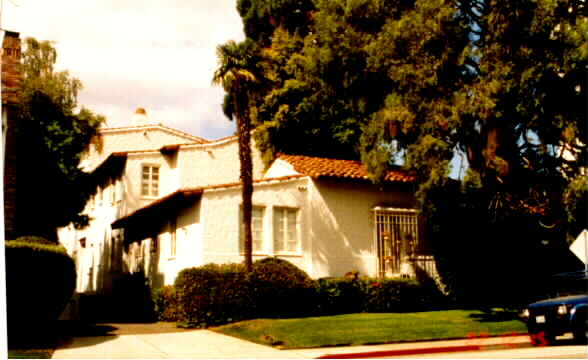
87 334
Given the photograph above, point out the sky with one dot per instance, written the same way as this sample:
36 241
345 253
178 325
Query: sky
155 54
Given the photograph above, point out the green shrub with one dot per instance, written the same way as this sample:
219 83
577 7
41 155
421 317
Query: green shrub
281 289
339 296
166 304
36 240
401 295
390 295
40 280
344 296
212 295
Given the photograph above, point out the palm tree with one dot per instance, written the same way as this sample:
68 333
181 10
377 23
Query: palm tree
236 74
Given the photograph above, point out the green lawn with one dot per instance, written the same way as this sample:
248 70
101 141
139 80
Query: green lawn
30 354
366 328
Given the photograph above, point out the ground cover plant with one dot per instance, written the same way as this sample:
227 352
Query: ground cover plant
371 328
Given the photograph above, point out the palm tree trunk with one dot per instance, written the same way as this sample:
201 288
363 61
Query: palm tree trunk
244 134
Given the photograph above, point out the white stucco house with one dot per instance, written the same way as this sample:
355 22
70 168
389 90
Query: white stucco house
168 200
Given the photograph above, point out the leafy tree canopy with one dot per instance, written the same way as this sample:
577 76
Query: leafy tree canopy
497 88
491 91
53 133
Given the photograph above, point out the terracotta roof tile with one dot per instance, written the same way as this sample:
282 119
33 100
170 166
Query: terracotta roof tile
345 169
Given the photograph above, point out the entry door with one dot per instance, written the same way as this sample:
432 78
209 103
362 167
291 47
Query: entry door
397 237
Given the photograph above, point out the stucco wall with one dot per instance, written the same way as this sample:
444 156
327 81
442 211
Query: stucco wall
343 225
133 139
133 175
215 163
99 259
160 265
221 226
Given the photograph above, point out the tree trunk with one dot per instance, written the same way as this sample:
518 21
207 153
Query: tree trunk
244 134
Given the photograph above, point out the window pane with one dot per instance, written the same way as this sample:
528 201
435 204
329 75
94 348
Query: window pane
285 230
150 181
292 235
256 229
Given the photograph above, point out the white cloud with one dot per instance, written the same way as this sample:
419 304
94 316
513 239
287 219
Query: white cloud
151 53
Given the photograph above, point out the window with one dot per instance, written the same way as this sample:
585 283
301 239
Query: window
286 230
257 215
150 181
397 238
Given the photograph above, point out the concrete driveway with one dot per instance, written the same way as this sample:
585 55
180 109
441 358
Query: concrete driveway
177 345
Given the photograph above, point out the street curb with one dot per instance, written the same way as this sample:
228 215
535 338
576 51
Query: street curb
422 351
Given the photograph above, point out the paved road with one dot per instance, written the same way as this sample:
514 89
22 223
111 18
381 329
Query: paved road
547 352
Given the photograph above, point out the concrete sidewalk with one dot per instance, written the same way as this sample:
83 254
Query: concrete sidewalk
199 344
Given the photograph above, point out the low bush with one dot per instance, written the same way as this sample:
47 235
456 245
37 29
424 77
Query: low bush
391 295
212 295
280 289
40 280
166 304
218 294
339 296
344 296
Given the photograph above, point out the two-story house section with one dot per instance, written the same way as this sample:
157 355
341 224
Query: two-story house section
166 201
133 166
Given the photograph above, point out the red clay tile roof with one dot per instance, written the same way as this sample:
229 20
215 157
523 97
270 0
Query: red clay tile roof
345 169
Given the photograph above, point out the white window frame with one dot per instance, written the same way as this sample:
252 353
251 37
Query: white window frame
260 239
150 181
281 225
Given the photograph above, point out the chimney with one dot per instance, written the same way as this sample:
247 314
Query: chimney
140 117
11 81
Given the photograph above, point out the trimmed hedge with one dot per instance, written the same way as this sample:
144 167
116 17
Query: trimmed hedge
212 295
280 289
339 296
40 280
401 295
218 294
344 296
166 304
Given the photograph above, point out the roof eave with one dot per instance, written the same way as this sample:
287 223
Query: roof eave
173 200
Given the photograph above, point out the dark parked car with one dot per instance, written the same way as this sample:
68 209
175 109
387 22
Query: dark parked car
564 313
